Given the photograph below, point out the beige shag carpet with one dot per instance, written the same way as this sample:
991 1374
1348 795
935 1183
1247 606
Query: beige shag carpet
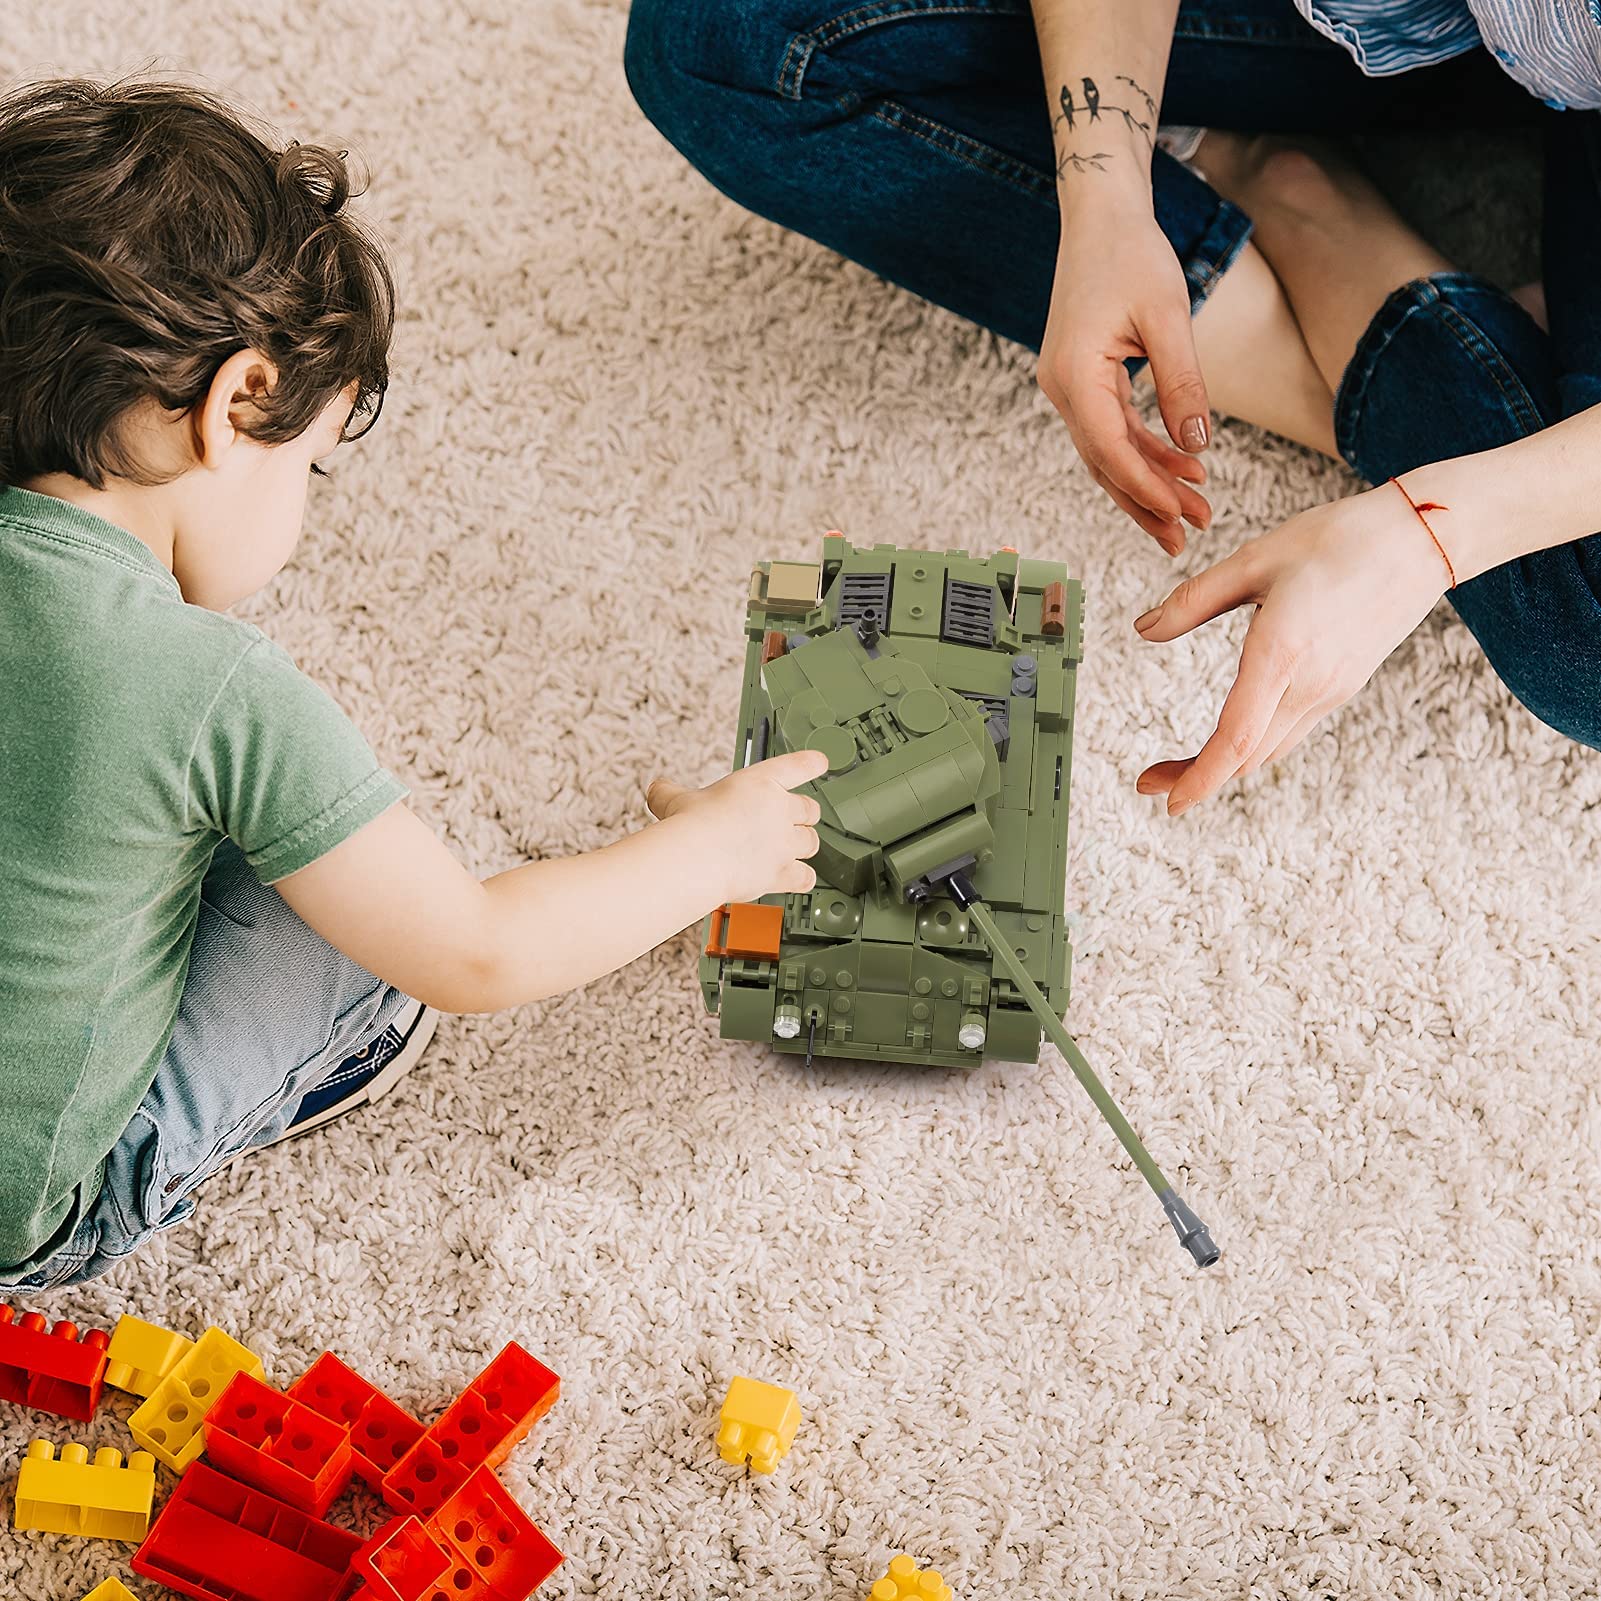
1353 1005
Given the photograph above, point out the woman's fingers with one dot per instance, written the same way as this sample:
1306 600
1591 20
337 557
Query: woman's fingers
1200 598
1160 777
1168 335
1248 712
1296 734
1093 410
1169 535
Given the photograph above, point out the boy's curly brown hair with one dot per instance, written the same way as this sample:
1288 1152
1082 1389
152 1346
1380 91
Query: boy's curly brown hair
146 235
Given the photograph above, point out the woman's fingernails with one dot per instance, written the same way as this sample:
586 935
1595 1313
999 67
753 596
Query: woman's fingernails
1144 621
1194 433
1180 809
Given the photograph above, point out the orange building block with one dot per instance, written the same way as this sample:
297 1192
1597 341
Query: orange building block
747 929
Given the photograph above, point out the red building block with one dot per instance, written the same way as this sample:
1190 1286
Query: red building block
402 1562
53 1369
218 1540
380 1432
274 1443
499 1554
480 1428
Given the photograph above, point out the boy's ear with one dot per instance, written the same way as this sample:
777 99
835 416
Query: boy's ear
239 384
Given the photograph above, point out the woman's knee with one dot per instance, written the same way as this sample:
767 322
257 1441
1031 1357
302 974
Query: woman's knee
683 57
1449 366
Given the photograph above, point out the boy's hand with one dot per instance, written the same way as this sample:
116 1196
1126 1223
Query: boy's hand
760 834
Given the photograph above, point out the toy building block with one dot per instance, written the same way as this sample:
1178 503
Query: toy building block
219 1540
168 1424
71 1495
51 1369
479 1429
758 1421
497 1552
380 1432
267 1440
905 1581
748 929
111 1590
401 1562
142 1354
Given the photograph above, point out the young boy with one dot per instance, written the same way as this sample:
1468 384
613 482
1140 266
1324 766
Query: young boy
189 320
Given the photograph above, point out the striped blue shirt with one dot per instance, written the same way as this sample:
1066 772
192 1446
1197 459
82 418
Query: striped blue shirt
1551 47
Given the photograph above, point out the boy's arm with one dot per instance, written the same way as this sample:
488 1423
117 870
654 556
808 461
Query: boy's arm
393 898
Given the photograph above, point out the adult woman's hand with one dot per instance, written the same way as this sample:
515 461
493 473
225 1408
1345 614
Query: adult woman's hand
1336 589
1120 292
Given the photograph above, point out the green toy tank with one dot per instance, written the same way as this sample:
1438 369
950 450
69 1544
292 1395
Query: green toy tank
940 687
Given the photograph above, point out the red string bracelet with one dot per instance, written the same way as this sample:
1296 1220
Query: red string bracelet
1428 505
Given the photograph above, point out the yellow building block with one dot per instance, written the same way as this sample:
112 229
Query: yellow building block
169 1422
111 1590
758 1421
905 1581
71 1495
142 1354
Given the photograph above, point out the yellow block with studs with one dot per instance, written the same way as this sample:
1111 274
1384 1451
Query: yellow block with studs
905 1581
72 1495
142 1354
111 1590
168 1424
758 1423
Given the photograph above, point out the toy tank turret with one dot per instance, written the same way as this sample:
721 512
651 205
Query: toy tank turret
940 686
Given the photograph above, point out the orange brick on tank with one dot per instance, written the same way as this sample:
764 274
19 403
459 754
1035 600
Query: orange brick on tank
57 1369
268 1440
381 1432
69 1494
479 1429
747 929
905 1581
168 1424
142 1354
758 1423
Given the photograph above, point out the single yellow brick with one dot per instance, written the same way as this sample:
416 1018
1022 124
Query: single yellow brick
111 1590
905 1581
142 1354
71 1495
758 1422
169 1422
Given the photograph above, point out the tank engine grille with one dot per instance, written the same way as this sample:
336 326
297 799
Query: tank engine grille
861 593
969 617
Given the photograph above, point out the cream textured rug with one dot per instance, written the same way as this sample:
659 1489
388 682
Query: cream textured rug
1353 1006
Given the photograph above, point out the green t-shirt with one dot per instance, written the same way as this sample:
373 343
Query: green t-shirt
136 732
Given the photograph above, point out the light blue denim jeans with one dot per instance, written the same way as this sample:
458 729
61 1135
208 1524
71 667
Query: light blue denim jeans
269 1008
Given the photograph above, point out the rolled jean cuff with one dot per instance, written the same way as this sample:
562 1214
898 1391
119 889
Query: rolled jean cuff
1222 239
1449 365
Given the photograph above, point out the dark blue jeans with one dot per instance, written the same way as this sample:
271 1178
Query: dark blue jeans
913 137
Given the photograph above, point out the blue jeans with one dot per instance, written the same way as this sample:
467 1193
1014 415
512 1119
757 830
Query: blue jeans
268 1010
912 136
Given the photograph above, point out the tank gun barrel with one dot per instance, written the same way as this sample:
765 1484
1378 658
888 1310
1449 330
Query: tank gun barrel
1192 1232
